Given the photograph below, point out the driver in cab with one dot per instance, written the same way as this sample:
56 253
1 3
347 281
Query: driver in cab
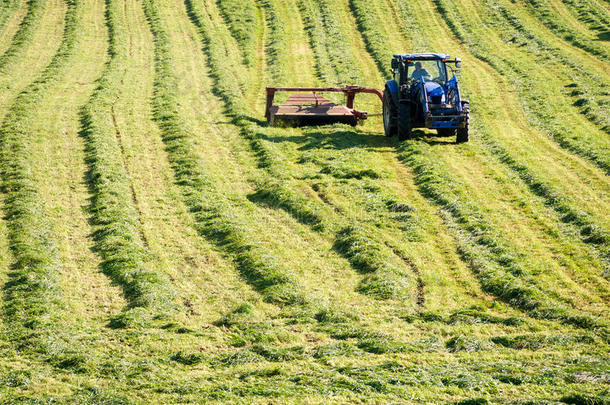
419 72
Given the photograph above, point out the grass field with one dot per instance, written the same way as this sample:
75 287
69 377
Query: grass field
159 243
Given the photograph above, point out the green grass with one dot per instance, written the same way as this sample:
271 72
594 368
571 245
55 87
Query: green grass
118 228
241 19
24 34
592 14
277 53
333 58
7 8
32 296
296 265
542 11
590 146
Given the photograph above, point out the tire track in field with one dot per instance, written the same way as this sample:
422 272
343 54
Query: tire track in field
24 34
32 297
43 46
134 198
421 298
429 168
570 209
10 19
201 20
119 137
572 117
202 116
390 161
260 61
574 184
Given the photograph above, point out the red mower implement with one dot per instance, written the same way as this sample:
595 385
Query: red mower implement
307 107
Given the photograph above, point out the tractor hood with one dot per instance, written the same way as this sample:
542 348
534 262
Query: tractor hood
435 92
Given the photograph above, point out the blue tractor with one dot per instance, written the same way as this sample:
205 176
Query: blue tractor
421 95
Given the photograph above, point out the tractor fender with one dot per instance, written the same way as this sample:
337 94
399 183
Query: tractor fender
392 87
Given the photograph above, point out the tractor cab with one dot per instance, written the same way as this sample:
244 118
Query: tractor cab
428 70
424 94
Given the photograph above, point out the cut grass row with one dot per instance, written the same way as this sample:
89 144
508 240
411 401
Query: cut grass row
7 8
493 259
334 64
370 24
591 14
585 224
389 282
277 52
432 379
24 34
542 10
32 296
240 16
117 225
588 89
531 90
213 213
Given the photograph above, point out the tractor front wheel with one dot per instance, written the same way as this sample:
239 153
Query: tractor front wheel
389 114
462 133
405 122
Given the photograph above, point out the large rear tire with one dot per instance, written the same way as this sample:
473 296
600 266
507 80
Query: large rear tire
462 133
405 122
390 114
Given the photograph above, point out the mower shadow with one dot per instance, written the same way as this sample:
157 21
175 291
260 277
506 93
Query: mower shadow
344 138
325 137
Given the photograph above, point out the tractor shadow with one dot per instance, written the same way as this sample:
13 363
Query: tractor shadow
434 139
345 138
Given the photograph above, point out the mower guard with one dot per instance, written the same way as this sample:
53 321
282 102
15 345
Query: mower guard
313 109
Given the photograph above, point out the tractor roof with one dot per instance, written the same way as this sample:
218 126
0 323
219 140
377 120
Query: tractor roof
422 56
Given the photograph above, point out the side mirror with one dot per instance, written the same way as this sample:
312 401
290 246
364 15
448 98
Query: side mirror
395 63
458 63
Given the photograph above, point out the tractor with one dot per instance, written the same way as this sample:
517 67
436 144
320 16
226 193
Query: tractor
421 95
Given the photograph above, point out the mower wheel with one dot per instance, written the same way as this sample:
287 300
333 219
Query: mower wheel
405 122
462 133
389 114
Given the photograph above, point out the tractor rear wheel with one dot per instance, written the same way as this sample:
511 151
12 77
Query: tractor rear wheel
405 122
462 133
389 114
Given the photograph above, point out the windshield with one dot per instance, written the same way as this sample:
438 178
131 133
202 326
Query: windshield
430 70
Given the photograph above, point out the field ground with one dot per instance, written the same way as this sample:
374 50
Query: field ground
159 243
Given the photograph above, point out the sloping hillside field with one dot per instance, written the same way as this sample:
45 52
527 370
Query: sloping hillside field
161 243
